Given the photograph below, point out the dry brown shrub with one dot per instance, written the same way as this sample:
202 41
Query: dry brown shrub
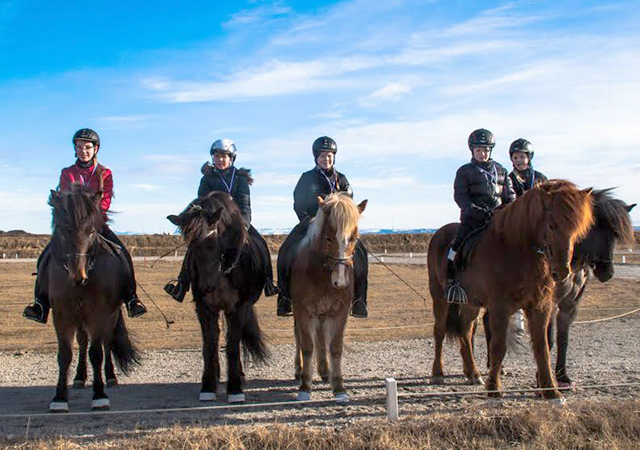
585 425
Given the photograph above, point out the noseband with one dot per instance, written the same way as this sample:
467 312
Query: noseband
331 262
76 256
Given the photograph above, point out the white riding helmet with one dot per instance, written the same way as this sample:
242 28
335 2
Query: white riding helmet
225 146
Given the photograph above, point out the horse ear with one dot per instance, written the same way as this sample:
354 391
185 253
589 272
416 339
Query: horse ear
55 196
630 207
176 220
588 191
362 206
97 197
320 201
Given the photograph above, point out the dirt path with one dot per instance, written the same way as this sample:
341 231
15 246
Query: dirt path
602 353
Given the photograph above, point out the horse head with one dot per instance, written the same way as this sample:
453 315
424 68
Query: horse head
339 217
567 216
214 230
77 222
612 225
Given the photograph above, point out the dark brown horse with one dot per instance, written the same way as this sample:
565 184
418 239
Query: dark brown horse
322 290
612 227
228 274
82 304
523 253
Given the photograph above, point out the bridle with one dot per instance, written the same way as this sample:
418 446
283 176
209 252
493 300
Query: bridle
331 262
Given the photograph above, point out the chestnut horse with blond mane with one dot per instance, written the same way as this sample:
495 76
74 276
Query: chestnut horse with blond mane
322 290
525 250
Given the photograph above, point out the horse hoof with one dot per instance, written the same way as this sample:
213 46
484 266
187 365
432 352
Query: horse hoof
304 396
78 384
560 401
570 386
207 397
236 398
342 398
58 407
112 382
438 379
100 404
476 380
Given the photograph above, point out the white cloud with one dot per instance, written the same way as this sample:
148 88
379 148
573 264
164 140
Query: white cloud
389 92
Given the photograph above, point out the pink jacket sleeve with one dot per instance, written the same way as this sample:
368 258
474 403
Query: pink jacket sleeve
107 190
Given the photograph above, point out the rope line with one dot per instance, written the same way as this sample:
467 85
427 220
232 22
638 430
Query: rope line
297 403
607 318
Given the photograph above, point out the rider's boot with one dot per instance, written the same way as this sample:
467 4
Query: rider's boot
135 308
270 288
359 308
454 293
39 311
284 305
176 289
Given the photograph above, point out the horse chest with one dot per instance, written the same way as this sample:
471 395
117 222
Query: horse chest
224 297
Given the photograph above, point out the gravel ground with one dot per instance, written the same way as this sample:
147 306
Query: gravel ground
601 353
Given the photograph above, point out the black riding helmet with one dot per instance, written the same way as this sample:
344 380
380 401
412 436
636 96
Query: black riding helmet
523 146
481 138
324 144
86 134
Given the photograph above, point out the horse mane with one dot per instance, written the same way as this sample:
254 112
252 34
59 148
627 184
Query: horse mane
343 216
613 213
75 208
198 227
519 220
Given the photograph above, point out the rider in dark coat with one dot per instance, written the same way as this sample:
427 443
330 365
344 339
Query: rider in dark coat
223 176
481 186
523 176
88 172
320 181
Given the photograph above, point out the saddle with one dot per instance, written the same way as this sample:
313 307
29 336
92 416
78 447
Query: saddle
469 244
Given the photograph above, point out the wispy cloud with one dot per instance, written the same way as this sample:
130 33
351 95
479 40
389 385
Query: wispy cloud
389 92
257 14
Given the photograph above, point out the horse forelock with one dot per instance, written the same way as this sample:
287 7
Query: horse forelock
197 226
76 208
343 215
613 214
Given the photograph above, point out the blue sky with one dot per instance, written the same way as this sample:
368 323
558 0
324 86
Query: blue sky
399 85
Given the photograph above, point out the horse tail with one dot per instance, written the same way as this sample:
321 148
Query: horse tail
454 320
252 339
124 352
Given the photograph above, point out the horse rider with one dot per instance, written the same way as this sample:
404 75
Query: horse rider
223 176
523 177
481 186
98 178
320 181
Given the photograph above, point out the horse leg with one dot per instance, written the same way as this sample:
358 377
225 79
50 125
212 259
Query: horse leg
234 333
498 322
109 372
466 346
563 323
100 400
538 323
440 311
65 354
210 335
298 355
334 334
307 326
487 334
321 353
81 372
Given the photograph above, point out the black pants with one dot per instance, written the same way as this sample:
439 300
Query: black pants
44 258
467 226
287 253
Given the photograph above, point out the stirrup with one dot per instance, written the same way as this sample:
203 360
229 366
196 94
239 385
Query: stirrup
135 301
270 288
36 312
285 307
455 294
176 290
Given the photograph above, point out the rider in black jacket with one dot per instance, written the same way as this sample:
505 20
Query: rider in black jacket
523 176
320 181
481 186
223 176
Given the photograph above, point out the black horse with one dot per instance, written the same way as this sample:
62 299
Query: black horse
228 272
612 226
84 305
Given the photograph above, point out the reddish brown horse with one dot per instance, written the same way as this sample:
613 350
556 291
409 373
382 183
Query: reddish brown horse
526 249
322 290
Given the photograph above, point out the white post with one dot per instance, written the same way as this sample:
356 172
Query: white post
382 259
392 399
385 251
176 254
410 254
624 259
16 256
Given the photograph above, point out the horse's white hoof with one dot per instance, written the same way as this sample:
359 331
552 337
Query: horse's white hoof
560 401
100 403
58 407
304 396
236 398
342 398
207 397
